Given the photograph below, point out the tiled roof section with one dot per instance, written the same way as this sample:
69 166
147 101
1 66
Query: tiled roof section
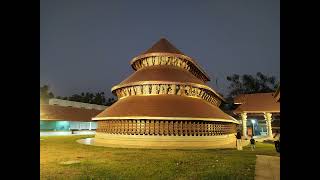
162 73
258 102
55 112
163 45
239 99
164 106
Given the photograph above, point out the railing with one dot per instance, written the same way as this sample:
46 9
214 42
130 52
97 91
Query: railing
166 127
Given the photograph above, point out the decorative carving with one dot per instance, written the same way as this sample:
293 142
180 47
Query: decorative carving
171 89
156 89
187 91
169 61
179 90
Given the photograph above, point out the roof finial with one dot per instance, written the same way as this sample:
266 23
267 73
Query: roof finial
163 45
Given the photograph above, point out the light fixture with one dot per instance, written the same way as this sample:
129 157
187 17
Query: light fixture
253 121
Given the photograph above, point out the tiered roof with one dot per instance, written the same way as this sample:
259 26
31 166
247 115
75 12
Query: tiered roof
161 69
161 73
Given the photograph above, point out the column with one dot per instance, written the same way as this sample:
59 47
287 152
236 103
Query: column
268 118
244 124
89 125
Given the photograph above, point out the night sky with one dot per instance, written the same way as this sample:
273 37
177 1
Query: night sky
86 45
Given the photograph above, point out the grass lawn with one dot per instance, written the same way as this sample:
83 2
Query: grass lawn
118 163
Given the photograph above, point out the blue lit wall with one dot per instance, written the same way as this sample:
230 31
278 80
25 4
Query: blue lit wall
259 128
47 125
54 125
66 125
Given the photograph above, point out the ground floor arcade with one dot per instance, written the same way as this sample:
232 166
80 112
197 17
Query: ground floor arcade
259 113
263 124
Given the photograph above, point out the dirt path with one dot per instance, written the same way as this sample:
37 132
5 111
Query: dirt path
267 168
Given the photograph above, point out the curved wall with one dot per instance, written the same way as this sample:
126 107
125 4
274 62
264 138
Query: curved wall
165 142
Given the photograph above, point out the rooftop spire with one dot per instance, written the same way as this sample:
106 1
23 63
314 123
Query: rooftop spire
163 45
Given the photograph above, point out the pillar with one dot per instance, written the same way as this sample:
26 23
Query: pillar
268 118
89 125
244 124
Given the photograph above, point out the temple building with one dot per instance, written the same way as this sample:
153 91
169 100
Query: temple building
62 117
259 113
165 103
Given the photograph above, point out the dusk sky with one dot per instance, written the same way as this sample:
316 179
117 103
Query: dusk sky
86 45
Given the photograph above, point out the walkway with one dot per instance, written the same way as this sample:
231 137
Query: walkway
67 133
267 168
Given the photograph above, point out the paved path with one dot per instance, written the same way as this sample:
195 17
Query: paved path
267 168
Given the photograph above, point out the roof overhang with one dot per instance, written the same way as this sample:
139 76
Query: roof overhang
166 107
166 118
256 112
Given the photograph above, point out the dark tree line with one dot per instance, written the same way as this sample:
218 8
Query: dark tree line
248 84
45 94
92 98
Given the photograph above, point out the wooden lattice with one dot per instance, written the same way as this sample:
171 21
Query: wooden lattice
166 127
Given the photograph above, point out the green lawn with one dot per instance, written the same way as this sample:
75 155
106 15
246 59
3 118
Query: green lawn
118 163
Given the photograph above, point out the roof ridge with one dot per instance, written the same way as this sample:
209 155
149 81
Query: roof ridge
163 45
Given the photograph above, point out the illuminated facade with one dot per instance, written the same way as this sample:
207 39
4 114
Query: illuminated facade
259 112
165 103
64 117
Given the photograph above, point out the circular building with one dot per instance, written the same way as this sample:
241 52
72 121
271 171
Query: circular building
165 103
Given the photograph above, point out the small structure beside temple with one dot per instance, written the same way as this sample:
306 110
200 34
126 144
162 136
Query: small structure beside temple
259 113
165 103
62 117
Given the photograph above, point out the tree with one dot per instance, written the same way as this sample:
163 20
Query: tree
92 98
110 101
85 97
45 94
248 84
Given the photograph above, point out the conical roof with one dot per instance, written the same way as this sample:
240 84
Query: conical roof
163 45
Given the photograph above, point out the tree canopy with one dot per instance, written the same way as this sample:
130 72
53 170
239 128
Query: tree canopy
248 84
92 98
45 94
85 97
